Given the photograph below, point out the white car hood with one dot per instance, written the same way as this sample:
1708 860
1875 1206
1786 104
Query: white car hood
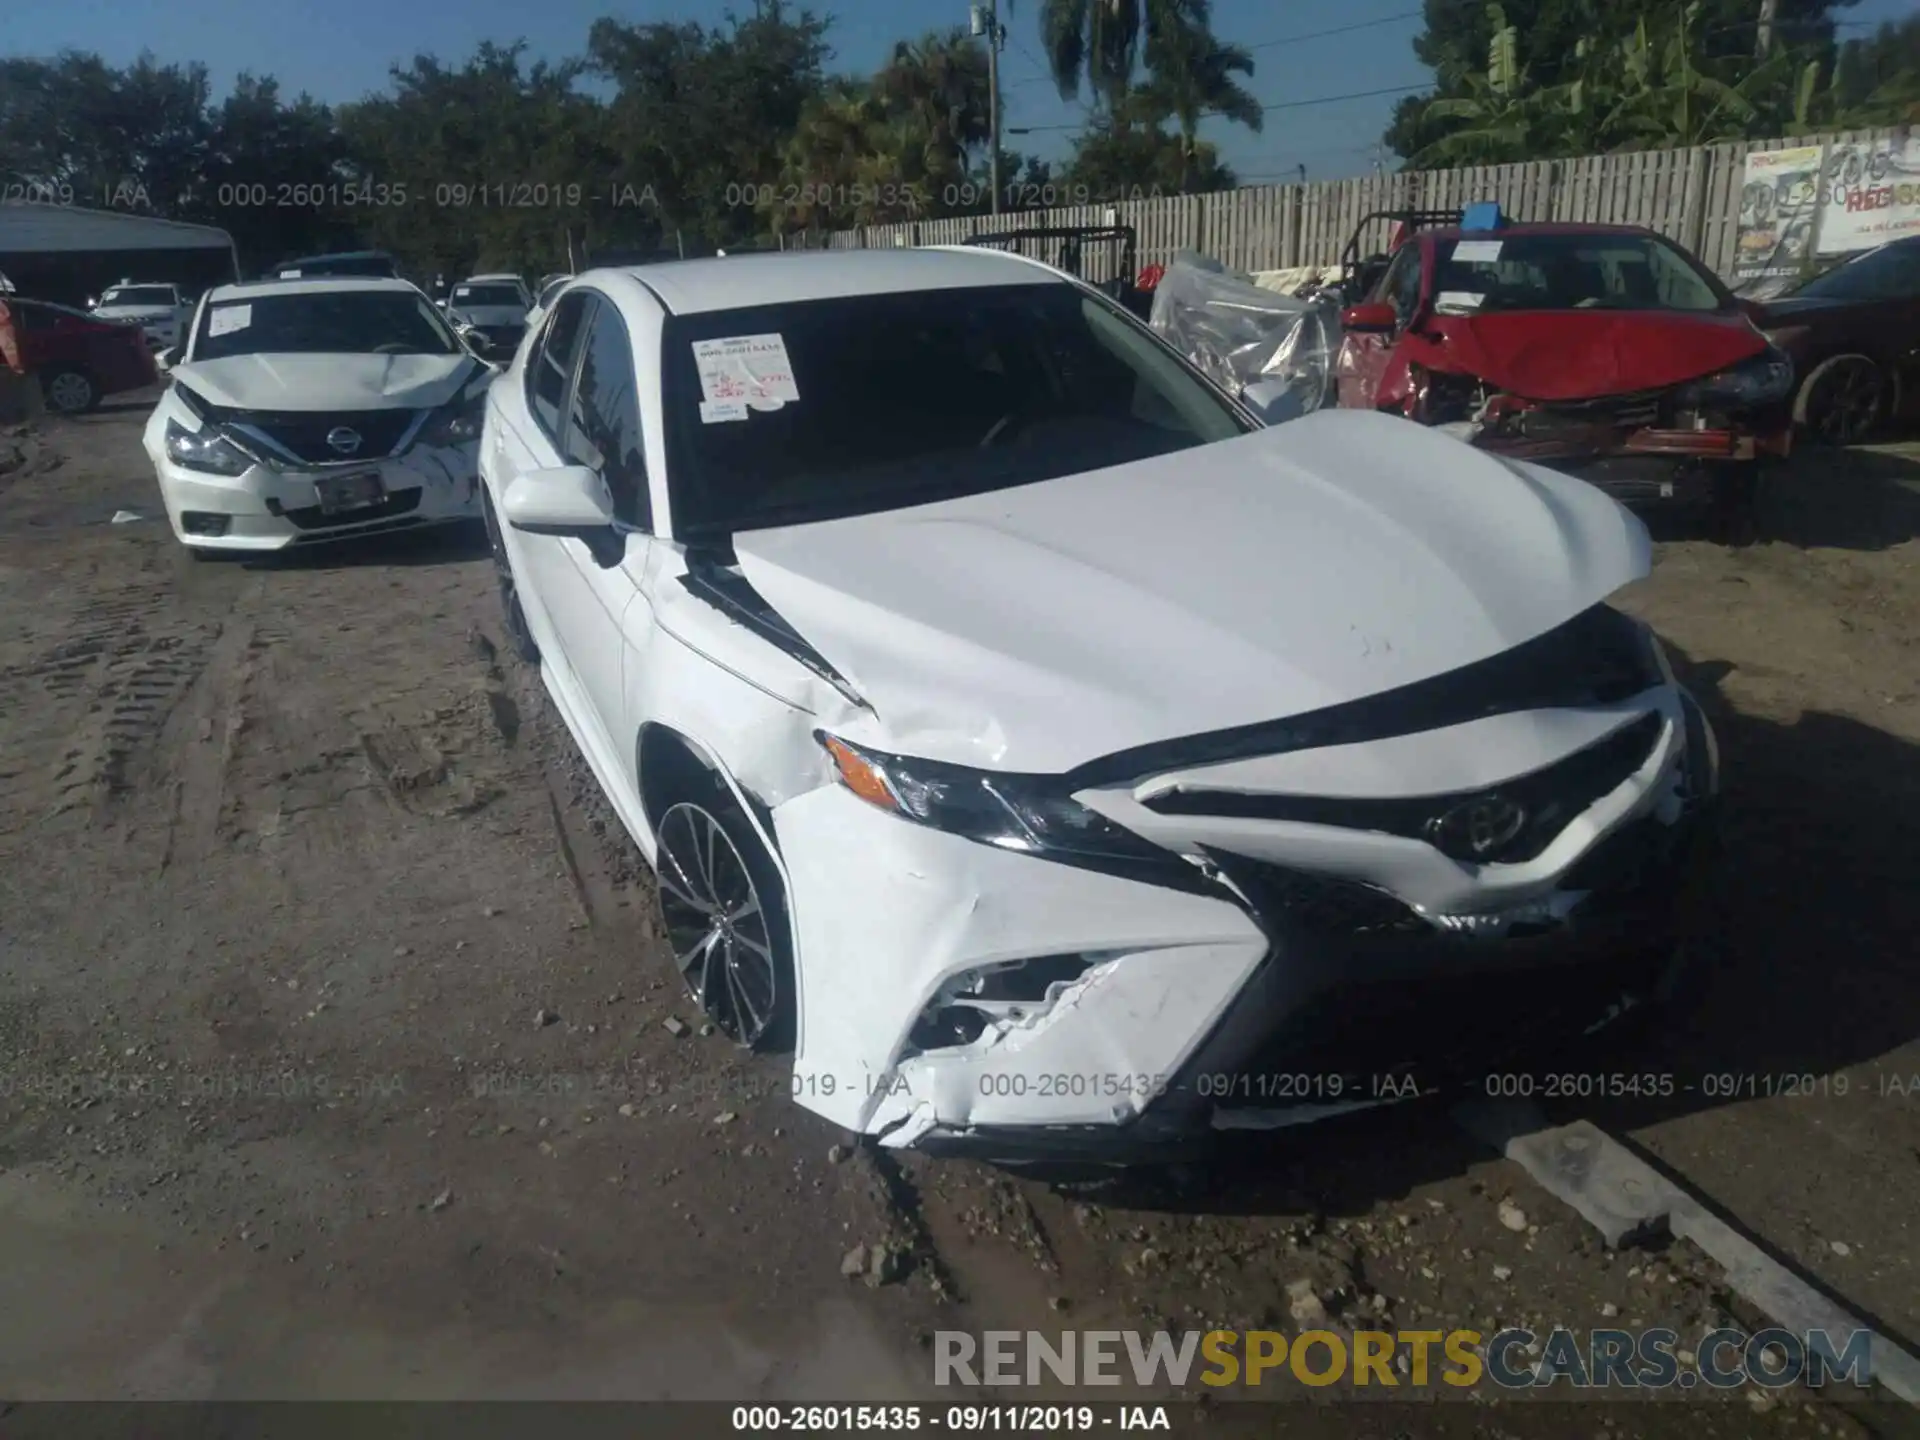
328 382
1330 558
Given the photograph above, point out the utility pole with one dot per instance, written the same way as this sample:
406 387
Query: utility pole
986 21
1769 11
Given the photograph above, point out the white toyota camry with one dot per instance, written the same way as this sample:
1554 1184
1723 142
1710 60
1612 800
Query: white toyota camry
1060 762
313 410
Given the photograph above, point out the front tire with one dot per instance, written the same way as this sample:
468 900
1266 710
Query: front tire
513 615
726 919
1843 399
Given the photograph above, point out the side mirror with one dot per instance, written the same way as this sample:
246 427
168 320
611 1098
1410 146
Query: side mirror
1375 319
569 500
476 342
163 359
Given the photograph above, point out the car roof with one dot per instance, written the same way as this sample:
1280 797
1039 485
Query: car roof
309 285
735 282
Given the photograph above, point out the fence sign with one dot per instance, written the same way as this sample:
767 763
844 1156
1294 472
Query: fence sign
1779 203
1870 194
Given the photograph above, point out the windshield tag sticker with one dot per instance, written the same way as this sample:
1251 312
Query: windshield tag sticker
289 274
712 412
747 369
228 318
1469 251
1457 302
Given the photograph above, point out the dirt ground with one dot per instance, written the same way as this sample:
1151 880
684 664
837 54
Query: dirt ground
335 1058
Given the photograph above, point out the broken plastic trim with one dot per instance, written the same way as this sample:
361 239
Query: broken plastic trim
1546 800
1005 992
729 592
1599 657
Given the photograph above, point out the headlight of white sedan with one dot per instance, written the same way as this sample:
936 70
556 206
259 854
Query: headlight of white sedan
207 450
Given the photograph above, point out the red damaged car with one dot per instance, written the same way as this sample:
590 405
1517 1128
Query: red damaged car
1605 351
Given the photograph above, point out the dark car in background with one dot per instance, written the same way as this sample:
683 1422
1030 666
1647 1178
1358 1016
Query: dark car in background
374 263
1605 351
1854 335
80 359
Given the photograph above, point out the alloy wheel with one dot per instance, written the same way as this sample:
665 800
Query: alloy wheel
69 392
717 924
1846 406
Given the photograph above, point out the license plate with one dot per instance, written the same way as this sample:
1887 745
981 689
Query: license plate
350 492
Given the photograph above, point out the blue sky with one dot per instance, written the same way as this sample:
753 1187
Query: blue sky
340 49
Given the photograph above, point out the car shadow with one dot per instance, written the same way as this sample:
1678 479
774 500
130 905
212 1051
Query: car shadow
1861 498
1813 974
454 544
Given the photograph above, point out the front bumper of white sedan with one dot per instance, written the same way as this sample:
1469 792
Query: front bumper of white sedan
966 998
267 508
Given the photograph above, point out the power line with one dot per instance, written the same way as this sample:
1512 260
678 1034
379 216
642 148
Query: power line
1338 30
1286 104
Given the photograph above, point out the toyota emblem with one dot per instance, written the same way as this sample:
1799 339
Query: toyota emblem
1481 827
343 440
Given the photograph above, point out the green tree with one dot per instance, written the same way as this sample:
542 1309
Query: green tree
703 117
1129 150
1192 74
1556 41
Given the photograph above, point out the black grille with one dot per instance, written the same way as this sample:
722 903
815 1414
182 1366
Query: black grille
1546 801
1319 905
303 433
312 517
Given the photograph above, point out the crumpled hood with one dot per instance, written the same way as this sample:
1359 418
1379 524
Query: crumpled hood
1329 558
329 382
1585 354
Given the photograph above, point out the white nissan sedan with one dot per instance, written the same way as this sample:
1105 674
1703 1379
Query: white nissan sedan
1060 763
313 410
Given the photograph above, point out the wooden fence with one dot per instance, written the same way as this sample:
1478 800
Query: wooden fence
1690 195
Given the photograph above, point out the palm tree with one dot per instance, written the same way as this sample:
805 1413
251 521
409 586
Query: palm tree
1192 76
942 79
1099 40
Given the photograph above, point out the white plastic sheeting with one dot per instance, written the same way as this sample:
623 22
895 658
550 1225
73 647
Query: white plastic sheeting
1273 350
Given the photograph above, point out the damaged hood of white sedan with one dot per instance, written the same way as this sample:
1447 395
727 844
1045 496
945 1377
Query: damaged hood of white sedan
290 382
1328 559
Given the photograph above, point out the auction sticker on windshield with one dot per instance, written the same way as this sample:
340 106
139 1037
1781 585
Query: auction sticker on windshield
228 318
749 369
1470 251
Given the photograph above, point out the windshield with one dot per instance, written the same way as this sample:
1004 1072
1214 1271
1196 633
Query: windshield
1890 273
1568 272
138 295
344 322
904 399
486 295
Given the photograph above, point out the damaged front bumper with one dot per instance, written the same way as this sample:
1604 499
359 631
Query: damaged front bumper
271 508
980 1000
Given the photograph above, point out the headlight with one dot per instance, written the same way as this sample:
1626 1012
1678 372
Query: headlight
208 450
1768 376
1014 812
458 422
